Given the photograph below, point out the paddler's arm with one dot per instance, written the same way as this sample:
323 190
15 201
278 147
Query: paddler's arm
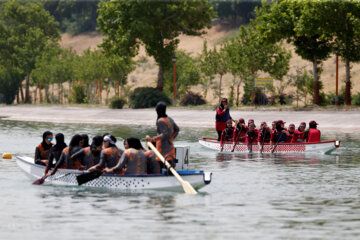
120 165
101 163
78 154
38 159
57 165
176 131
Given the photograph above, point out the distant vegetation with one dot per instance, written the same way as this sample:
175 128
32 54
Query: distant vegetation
30 55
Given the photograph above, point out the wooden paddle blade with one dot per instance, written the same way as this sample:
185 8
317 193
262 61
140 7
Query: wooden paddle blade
87 177
39 181
188 189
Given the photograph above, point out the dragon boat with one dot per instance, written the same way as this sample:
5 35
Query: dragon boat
325 147
197 178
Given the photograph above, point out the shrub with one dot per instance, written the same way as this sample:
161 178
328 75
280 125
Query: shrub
78 94
192 99
117 103
330 99
146 97
356 99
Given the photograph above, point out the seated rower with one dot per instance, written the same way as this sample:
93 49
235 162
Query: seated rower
239 134
273 126
153 166
56 151
280 134
90 156
264 135
133 159
314 134
299 134
42 151
252 136
227 134
65 162
109 156
291 132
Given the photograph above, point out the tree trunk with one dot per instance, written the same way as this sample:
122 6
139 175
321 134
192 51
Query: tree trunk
237 94
17 98
40 93
160 83
27 89
22 93
220 88
100 90
118 88
316 83
348 84
35 93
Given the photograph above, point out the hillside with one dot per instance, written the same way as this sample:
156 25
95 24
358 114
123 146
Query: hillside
146 73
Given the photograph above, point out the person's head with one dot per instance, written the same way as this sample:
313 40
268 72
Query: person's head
241 121
291 127
96 145
75 140
302 126
252 126
263 126
313 124
273 124
251 121
47 137
134 143
281 122
224 102
109 141
278 126
229 123
126 144
85 140
161 109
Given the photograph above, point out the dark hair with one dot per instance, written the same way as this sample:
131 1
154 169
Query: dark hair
161 109
96 141
43 143
60 142
85 137
134 143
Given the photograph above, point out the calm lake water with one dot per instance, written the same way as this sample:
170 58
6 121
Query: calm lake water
296 196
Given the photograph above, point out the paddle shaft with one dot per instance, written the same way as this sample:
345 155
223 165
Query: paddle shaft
263 141
186 185
237 139
277 143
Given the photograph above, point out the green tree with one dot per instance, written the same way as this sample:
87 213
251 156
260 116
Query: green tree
155 24
299 23
187 74
28 29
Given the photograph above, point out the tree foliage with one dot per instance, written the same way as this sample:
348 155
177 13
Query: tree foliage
155 24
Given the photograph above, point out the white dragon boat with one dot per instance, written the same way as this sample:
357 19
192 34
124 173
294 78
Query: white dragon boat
318 147
197 178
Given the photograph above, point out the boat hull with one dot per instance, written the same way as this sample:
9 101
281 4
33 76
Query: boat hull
196 178
320 147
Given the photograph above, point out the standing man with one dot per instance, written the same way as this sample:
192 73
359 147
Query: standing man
167 130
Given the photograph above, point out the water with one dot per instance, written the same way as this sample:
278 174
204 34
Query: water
297 196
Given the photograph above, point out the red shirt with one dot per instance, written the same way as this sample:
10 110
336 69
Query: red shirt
314 135
298 136
242 136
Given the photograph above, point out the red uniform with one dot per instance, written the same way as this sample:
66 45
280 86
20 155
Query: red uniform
242 137
298 137
290 137
226 135
313 135
264 135
252 136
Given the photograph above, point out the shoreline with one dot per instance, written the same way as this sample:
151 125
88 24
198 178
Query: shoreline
329 120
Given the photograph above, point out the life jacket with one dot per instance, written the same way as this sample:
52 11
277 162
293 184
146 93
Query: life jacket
278 137
169 155
298 136
223 118
44 153
314 135
289 138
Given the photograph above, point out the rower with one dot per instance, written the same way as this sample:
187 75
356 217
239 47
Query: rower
42 151
109 156
227 134
291 133
299 134
133 159
56 151
279 135
239 134
314 134
90 156
264 135
252 134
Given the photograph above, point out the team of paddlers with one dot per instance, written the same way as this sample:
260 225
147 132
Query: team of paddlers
250 135
103 154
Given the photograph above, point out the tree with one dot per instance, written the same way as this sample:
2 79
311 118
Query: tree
155 24
28 28
299 23
341 19
187 74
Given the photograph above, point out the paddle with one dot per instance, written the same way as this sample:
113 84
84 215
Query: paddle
237 139
42 180
185 184
277 143
87 177
263 141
